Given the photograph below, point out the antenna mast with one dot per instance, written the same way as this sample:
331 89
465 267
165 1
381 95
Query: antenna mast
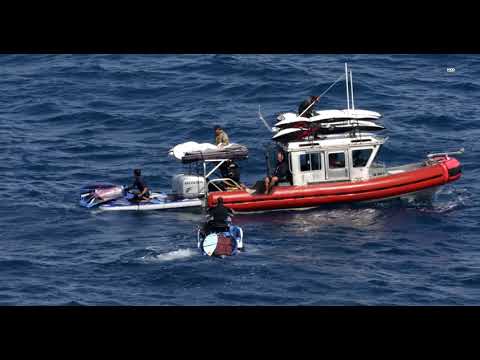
351 90
346 83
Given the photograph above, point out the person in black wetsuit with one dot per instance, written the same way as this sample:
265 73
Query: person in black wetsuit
139 183
309 113
220 216
281 173
229 169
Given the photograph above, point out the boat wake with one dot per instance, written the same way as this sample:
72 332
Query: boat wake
153 256
448 200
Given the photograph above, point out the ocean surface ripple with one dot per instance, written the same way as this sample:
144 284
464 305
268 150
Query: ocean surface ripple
69 120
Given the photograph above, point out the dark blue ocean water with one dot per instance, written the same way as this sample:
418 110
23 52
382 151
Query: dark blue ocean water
68 120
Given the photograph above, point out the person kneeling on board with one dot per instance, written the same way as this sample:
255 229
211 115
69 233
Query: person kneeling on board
220 216
281 173
139 183
304 105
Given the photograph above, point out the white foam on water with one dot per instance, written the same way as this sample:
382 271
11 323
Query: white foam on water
450 199
171 256
443 208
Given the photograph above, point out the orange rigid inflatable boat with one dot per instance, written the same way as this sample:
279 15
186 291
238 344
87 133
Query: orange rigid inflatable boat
434 172
331 159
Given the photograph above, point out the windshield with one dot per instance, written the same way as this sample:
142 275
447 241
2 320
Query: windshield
379 160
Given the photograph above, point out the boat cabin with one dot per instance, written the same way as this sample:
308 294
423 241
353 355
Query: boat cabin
333 158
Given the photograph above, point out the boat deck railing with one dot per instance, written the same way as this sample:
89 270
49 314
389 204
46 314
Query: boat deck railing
377 169
229 183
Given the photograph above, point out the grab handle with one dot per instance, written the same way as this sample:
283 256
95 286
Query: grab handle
459 152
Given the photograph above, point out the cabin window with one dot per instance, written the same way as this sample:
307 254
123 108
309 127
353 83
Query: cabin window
305 162
360 157
336 160
315 161
310 162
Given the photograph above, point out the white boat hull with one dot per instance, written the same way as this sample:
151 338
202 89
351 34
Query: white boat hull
157 202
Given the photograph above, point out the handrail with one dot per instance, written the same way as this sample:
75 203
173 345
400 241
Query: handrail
459 152
225 181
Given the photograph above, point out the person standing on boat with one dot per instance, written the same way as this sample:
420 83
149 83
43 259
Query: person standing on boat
304 105
139 183
221 137
281 173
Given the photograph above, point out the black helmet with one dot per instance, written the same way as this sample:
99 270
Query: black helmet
137 172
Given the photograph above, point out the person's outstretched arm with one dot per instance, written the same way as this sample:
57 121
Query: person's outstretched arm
145 189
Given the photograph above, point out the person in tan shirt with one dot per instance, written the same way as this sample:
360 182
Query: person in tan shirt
221 137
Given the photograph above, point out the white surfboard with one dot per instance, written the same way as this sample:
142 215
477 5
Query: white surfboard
210 244
287 131
362 114
322 115
352 124
289 119
331 128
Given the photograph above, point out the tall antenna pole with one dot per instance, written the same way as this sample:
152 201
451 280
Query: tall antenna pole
353 104
346 83
351 90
